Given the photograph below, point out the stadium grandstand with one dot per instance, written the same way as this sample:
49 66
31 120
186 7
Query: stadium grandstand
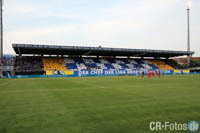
51 60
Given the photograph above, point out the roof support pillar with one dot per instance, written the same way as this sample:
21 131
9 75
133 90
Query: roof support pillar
19 52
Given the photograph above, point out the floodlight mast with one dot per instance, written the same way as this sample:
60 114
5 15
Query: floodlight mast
1 29
188 33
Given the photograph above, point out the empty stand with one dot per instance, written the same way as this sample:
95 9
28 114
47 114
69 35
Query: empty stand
116 66
124 66
55 66
51 64
29 66
71 66
161 65
8 62
174 64
109 66
58 65
101 66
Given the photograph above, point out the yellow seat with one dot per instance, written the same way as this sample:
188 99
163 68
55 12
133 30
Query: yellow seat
51 64
161 65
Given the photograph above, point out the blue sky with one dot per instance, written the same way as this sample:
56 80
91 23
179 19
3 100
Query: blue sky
144 24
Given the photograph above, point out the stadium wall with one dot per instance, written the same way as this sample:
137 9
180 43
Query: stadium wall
87 73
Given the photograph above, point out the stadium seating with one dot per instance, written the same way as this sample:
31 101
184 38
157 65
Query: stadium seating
88 61
131 61
96 60
78 60
109 66
28 66
110 60
55 66
91 66
152 66
118 61
51 64
174 64
101 66
124 66
8 62
130 66
81 66
161 65
67 60
71 66
116 66
104 61
58 65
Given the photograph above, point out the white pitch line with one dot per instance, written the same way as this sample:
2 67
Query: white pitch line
5 83
37 90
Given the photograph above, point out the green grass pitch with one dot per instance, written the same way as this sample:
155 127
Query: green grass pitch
123 104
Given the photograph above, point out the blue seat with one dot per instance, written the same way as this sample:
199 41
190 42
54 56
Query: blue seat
71 66
153 67
137 65
109 66
96 60
78 60
125 61
93 65
124 66
111 60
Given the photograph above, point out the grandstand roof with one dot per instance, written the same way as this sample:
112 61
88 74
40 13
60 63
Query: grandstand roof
93 51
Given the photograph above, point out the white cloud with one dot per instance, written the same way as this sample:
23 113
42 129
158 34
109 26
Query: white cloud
32 10
109 29
16 8
133 24
38 35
